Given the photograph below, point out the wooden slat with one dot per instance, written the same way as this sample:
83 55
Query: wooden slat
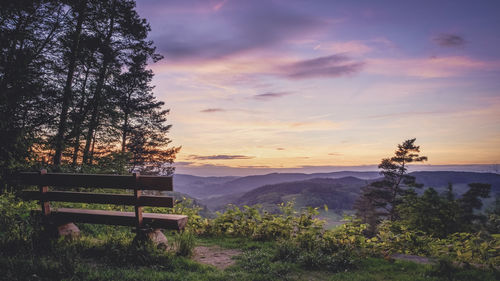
166 221
100 198
96 181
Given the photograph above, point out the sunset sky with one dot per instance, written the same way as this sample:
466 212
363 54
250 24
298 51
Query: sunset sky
299 84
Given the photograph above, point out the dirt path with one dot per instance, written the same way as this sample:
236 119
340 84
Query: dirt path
413 258
215 255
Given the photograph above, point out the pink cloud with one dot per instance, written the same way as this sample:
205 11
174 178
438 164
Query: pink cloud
352 47
440 67
219 5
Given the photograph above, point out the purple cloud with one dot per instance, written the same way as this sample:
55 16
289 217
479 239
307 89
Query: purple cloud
270 95
237 27
219 157
212 110
329 66
449 40
184 163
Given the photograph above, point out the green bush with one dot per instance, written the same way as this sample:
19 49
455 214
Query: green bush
393 237
476 248
184 243
333 250
257 224
17 224
473 248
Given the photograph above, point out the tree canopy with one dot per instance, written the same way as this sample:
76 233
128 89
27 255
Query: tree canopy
75 90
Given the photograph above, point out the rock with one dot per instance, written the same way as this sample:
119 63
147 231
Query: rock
157 237
69 230
153 235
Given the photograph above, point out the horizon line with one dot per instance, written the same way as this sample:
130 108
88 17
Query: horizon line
218 171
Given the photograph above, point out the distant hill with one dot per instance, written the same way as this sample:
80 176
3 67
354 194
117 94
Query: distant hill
198 187
440 180
337 194
179 197
204 187
337 190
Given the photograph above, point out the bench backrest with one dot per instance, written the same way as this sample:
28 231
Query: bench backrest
135 182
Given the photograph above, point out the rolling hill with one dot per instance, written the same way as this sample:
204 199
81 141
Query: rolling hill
337 194
439 180
206 187
337 190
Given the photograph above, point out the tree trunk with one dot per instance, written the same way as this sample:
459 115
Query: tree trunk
67 96
124 133
98 92
77 128
91 159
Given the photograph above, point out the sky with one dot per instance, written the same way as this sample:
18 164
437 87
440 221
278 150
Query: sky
309 85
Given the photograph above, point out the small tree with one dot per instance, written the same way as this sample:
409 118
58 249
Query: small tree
386 194
441 215
470 202
431 213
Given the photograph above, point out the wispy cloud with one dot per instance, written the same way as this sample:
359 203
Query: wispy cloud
449 40
328 66
433 67
219 157
184 163
351 47
270 95
212 110
219 5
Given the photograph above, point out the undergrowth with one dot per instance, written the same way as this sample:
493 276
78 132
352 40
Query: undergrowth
290 245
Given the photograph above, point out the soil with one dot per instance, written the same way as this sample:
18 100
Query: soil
216 256
415 259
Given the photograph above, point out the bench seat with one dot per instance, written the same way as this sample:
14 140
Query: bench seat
153 220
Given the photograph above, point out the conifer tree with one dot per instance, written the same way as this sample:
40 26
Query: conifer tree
386 194
75 88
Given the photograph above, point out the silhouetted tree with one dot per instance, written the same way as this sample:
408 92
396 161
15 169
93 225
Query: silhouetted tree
75 88
385 195
27 45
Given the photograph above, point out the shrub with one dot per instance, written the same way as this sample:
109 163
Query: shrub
257 224
17 224
334 250
477 248
184 243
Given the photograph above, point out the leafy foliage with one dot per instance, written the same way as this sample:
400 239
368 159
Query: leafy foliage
20 229
254 223
441 215
107 252
184 243
430 213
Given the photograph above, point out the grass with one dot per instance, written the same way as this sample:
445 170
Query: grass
107 253
380 269
115 259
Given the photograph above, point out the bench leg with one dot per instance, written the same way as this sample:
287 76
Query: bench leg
153 235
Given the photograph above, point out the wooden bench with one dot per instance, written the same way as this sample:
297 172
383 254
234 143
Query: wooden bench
62 217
